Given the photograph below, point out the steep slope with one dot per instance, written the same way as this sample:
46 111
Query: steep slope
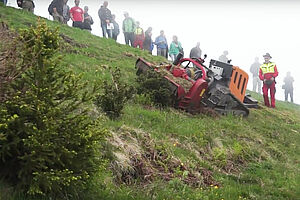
169 154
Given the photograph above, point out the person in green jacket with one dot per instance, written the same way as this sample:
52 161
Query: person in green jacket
175 48
128 29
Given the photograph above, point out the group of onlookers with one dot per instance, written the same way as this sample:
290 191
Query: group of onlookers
266 83
24 4
61 12
134 34
263 76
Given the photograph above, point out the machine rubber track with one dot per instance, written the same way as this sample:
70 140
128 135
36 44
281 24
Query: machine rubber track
223 102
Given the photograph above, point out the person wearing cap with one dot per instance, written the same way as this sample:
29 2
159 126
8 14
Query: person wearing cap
267 73
105 17
128 29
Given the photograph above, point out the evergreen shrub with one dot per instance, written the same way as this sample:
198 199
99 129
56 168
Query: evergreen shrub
115 94
48 142
156 87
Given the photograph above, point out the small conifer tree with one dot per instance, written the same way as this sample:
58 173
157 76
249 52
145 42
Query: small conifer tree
115 94
48 143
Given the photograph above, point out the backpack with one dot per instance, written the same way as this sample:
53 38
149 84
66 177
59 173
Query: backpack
50 8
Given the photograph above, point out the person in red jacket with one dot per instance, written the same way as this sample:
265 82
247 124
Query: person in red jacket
267 73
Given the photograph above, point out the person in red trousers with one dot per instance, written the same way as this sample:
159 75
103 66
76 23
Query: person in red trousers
267 73
139 36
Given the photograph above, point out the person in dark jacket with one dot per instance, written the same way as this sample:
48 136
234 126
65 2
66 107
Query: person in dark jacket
105 17
196 51
116 30
88 20
148 43
59 10
27 5
288 87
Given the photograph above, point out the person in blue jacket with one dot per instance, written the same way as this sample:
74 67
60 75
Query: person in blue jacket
161 44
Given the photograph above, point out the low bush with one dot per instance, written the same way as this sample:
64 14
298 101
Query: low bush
155 87
114 94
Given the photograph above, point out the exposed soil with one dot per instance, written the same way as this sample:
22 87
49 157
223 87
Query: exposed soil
72 42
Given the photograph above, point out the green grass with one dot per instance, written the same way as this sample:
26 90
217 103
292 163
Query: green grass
257 157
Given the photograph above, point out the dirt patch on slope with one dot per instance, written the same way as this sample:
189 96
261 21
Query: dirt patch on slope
72 42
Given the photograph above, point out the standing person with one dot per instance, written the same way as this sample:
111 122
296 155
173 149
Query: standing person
175 48
128 29
4 2
138 36
254 69
116 30
196 52
267 73
77 15
161 44
88 20
105 17
66 12
223 58
148 43
60 11
27 5
288 86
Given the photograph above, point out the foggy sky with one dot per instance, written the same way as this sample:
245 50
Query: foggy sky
246 28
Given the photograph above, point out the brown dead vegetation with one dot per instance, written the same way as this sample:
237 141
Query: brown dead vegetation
8 58
129 54
138 159
180 81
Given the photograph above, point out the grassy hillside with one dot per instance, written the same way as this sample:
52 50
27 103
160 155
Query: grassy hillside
169 154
